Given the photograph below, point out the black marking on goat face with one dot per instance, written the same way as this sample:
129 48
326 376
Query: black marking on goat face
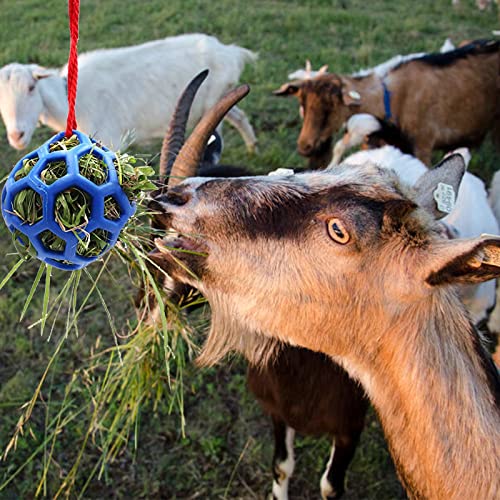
257 208
282 209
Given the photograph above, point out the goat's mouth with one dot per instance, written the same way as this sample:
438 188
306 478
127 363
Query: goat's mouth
318 148
181 245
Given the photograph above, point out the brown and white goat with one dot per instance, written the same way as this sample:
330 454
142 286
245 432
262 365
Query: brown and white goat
347 262
440 101
301 390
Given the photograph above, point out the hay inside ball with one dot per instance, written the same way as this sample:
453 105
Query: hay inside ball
69 199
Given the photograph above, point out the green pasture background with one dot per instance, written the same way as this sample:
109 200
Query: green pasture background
227 448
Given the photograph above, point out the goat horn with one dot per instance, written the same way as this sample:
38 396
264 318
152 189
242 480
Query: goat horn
186 163
175 136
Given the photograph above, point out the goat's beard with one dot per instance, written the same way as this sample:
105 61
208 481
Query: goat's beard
228 334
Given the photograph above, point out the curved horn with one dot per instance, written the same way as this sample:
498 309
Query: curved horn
174 138
187 161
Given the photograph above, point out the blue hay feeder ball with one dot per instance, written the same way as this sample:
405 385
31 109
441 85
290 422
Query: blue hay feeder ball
70 257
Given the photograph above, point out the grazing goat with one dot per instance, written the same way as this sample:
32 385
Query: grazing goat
125 93
302 391
349 262
442 100
369 132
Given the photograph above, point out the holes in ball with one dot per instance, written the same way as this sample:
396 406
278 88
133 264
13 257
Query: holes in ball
112 209
93 168
93 244
65 144
21 238
51 241
53 171
28 164
72 209
27 205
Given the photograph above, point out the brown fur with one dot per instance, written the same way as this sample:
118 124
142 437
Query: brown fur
437 106
369 304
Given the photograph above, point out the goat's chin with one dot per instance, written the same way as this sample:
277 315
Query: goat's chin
18 145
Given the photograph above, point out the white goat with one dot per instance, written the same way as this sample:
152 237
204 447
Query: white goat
470 217
124 93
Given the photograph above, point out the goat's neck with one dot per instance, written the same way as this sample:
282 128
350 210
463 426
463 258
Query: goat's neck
372 94
436 403
53 93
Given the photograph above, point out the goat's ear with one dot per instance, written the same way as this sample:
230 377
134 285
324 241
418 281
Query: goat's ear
464 261
39 72
287 89
437 189
350 96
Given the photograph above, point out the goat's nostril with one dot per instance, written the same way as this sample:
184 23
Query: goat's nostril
16 135
176 197
305 149
155 205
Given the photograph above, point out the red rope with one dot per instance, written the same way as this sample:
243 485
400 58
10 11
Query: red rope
74 13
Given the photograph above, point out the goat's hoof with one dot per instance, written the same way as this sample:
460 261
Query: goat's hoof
332 493
252 149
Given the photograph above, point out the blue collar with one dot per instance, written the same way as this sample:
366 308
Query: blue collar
387 102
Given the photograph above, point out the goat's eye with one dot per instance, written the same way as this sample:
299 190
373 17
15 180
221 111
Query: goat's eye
31 88
337 231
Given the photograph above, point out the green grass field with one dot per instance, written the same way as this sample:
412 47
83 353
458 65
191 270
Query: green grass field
227 446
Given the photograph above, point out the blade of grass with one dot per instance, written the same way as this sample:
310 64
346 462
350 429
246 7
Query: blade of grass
46 296
37 279
11 273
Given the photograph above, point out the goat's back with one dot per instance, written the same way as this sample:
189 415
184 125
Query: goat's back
141 83
455 103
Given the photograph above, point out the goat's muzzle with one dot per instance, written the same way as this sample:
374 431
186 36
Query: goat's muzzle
162 199
305 149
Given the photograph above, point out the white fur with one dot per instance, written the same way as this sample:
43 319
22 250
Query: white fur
471 216
280 489
358 127
127 91
326 487
447 46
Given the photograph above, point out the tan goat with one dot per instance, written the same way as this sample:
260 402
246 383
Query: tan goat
302 391
440 101
353 256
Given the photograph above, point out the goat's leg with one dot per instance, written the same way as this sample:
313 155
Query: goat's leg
283 460
238 119
332 481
